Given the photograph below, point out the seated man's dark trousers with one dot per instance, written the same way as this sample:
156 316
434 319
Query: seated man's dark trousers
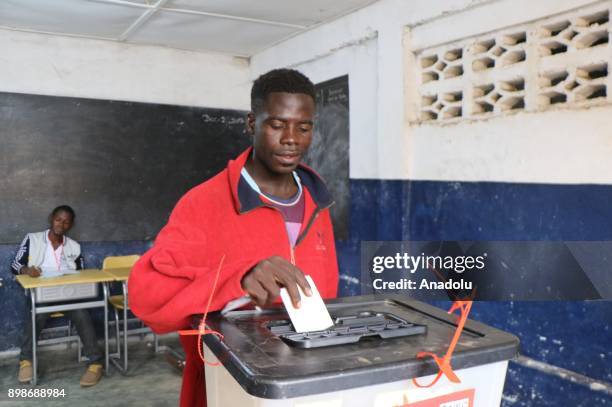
80 318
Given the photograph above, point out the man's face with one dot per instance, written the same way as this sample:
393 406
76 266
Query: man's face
282 131
61 223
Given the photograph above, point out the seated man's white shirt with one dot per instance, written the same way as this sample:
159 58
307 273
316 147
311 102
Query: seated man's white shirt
54 261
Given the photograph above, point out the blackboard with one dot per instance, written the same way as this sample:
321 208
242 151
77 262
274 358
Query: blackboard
121 165
329 152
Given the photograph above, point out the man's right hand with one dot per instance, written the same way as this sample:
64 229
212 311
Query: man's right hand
30 271
264 281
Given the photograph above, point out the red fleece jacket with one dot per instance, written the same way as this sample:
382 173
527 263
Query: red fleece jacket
225 217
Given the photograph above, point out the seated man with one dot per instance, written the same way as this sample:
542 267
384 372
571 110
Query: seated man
53 250
266 215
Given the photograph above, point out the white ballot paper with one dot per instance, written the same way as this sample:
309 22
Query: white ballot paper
312 314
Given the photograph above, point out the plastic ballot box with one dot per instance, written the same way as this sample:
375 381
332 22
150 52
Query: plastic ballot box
368 358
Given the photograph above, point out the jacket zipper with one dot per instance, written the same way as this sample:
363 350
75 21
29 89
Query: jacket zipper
303 234
292 254
311 221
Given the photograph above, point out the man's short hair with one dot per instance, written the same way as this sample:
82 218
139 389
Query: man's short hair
279 80
64 208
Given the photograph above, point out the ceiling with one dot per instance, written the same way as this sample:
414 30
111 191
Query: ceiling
235 27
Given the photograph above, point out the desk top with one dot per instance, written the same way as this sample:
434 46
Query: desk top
85 276
120 274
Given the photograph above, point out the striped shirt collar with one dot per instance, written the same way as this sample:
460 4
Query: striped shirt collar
291 201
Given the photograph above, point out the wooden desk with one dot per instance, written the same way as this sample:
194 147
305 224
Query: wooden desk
84 276
120 274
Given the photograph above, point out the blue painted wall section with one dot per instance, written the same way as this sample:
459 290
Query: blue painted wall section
508 211
528 388
427 210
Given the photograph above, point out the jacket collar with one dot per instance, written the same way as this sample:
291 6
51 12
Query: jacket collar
246 199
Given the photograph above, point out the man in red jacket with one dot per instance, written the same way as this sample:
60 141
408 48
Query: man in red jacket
266 215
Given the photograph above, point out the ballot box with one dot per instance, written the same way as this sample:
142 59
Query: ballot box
368 358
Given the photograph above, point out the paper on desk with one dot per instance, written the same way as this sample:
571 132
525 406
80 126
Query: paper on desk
48 272
312 314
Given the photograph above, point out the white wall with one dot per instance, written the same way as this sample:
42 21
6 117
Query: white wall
567 143
67 66
386 145
517 148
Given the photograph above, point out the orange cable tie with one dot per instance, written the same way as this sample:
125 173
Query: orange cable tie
444 363
202 326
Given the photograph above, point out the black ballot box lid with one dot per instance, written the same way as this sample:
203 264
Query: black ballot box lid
268 367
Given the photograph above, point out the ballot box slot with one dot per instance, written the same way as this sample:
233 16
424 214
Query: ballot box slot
347 329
